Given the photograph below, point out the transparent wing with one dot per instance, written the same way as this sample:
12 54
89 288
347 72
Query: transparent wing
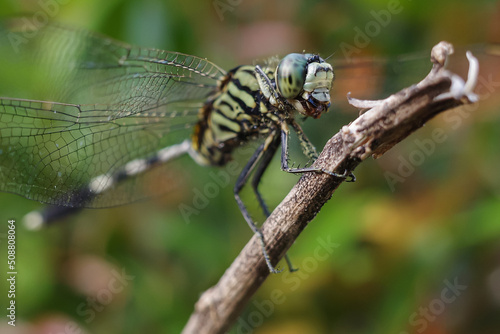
125 103
49 150
81 67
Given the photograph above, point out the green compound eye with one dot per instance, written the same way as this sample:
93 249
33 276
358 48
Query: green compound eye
291 75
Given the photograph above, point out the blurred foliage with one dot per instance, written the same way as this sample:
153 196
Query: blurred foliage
378 257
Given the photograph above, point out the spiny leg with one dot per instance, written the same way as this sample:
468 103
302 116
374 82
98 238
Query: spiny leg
307 147
309 151
240 182
257 176
261 168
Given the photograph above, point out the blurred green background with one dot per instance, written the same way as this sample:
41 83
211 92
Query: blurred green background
417 255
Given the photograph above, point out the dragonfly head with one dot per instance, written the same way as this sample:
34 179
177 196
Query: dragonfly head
305 80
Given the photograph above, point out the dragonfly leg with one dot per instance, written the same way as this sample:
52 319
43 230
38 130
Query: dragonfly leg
264 163
309 150
240 182
261 168
307 147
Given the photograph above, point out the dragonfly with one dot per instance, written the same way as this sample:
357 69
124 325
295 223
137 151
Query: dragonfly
71 155
109 113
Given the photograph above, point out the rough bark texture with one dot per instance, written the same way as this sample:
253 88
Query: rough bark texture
388 122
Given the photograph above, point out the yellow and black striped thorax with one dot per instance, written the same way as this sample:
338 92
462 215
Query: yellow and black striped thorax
234 114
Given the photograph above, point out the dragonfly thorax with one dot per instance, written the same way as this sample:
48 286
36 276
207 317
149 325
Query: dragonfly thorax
305 80
253 101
